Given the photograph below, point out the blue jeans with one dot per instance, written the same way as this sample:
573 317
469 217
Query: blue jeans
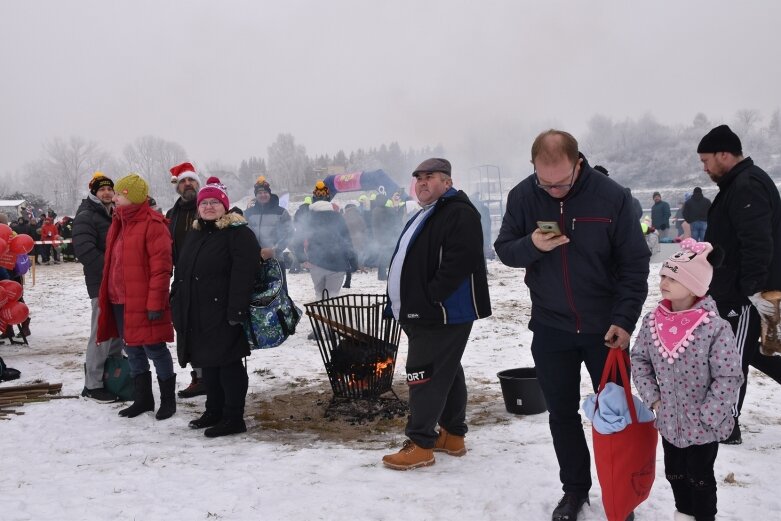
698 230
138 356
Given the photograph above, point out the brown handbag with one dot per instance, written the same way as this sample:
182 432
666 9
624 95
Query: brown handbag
771 326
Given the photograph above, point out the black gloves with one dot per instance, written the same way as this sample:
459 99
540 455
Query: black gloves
154 315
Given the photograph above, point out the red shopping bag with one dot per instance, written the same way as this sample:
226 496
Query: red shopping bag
625 460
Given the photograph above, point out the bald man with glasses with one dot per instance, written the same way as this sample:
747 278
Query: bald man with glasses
587 271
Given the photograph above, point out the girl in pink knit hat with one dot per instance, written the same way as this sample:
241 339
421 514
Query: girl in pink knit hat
686 367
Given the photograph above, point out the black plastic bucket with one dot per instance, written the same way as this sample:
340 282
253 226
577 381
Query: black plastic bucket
521 390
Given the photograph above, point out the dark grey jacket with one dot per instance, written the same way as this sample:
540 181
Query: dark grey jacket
90 228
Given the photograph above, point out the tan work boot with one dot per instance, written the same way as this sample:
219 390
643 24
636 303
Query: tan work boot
449 443
409 457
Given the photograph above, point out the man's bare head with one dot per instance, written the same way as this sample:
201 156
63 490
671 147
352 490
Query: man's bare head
553 146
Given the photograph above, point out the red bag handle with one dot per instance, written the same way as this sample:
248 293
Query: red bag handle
618 361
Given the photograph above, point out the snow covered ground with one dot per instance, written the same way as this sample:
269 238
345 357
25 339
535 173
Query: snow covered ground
73 459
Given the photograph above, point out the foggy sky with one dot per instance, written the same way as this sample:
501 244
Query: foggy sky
223 78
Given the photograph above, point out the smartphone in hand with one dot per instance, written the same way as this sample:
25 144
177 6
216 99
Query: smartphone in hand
549 227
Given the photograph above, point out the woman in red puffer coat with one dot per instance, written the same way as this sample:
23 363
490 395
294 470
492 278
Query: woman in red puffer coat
133 298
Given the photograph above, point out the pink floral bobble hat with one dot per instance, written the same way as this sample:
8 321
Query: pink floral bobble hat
672 331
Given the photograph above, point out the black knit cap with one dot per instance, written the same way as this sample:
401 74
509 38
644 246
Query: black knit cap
434 164
720 139
98 181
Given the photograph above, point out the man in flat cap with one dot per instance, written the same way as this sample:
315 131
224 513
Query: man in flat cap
437 288
745 220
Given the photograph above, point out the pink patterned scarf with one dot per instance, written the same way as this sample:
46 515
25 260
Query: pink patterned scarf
672 331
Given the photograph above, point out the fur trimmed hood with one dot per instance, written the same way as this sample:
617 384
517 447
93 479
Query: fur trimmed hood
229 219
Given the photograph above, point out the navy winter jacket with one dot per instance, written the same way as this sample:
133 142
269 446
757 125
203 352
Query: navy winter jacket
443 279
325 240
600 277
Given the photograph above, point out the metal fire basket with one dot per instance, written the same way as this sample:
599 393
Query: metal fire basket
358 345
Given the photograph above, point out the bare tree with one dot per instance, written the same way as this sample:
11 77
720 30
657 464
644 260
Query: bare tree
66 169
288 165
746 120
152 158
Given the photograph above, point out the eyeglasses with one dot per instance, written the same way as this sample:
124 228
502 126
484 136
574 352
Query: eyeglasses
209 202
548 188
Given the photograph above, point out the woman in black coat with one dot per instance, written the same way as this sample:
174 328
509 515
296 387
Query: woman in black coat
213 282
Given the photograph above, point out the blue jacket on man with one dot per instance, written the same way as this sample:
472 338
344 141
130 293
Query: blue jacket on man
443 278
600 277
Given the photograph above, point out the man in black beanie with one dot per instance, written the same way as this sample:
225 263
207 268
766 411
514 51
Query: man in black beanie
90 229
745 220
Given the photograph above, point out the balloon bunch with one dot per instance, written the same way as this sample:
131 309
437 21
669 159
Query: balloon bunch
14 249
11 310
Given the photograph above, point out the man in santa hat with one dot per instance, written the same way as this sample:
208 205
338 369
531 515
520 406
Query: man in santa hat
181 217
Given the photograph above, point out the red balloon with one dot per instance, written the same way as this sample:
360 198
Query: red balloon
14 312
6 232
21 244
12 289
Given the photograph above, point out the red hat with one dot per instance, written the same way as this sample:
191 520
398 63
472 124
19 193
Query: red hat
183 171
214 189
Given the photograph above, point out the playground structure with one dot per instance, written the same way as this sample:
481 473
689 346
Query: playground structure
487 181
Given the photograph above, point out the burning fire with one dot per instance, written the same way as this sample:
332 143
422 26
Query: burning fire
364 382
381 366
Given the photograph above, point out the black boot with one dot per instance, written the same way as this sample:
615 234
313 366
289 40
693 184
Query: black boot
196 387
25 332
569 506
207 419
167 398
142 396
735 437
225 427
